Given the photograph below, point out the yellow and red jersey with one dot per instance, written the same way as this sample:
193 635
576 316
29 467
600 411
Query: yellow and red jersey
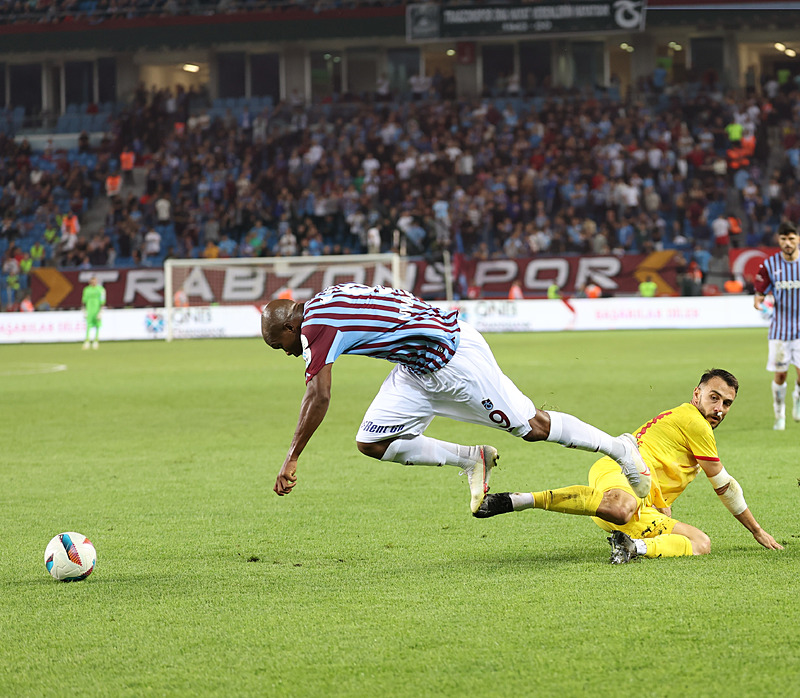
673 444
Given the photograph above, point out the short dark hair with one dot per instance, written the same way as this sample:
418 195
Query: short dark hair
726 376
787 228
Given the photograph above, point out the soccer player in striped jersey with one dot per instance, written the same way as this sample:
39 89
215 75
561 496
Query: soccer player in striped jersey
678 444
780 276
444 368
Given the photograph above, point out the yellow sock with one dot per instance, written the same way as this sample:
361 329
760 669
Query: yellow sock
668 545
578 499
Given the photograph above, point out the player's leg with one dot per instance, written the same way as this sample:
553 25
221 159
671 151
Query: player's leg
796 398
482 394
794 359
608 496
682 540
778 362
779 399
96 324
569 431
699 542
86 342
392 430
654 534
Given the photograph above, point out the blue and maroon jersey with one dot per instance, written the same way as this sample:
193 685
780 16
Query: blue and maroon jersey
782 279
386 323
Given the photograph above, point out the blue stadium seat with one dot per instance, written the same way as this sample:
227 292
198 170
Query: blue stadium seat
100 122
67 123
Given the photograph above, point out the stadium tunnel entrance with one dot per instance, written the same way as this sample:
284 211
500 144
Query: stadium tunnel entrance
164 71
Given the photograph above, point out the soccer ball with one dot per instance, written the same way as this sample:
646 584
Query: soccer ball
70 557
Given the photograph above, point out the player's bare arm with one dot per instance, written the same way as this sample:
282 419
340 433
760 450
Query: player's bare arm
749 522
312 411
730 492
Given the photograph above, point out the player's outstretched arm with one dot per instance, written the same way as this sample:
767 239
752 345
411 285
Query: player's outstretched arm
730 493
749 522
312 411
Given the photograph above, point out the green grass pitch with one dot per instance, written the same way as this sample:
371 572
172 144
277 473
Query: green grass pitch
372 578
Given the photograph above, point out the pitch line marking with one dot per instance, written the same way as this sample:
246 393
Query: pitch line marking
32 369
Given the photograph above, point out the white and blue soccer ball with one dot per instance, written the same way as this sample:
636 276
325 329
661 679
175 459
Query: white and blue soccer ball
70 557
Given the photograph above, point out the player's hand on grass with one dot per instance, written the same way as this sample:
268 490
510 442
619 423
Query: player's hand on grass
287 478
767 540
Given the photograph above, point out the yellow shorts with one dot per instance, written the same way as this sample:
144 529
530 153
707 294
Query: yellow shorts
648 521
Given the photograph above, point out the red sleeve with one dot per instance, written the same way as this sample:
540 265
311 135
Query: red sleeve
762 283
317 342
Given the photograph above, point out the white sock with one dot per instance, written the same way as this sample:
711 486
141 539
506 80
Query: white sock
571 432
521 500
779 399
641 546
422 450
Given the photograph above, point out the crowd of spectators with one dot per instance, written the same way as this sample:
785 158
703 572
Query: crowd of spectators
42 199
489 177
493 177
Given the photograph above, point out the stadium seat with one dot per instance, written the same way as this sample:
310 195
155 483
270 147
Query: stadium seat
67 123
100 122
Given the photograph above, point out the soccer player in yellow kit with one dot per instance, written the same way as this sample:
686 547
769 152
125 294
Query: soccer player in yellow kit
677 445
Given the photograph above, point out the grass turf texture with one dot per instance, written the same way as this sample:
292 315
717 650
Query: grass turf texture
372 578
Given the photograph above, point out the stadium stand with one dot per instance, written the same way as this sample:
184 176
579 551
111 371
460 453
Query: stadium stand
558 172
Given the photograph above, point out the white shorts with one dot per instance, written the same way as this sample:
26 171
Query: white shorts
782 354
471 388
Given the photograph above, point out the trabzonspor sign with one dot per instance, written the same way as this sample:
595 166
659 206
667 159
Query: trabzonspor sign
232 285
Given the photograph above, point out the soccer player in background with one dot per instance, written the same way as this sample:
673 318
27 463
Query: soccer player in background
93 300
780 276
444 367
677 445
